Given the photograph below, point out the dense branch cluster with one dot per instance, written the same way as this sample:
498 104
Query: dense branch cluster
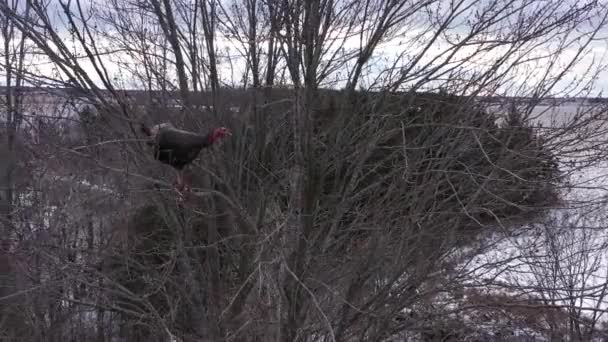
394 172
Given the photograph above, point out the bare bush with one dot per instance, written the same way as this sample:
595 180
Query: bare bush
383 155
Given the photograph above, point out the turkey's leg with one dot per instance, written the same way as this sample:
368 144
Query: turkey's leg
186 178
180 181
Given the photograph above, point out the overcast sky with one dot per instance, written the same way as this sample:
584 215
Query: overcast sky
385 54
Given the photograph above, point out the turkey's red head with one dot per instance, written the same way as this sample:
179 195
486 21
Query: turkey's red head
220 132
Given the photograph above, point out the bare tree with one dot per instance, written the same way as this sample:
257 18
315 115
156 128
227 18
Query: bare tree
13 64
371 171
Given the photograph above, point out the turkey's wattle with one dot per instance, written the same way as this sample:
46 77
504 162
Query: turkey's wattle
179 148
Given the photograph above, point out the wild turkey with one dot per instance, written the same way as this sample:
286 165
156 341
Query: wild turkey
179 148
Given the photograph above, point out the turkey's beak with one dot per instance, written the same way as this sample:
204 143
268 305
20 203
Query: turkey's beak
228 133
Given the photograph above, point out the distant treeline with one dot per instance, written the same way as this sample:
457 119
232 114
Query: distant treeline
231 95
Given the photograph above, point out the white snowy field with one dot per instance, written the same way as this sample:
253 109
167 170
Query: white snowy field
563 261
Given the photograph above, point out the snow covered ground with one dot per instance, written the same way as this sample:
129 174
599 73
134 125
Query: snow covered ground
565 260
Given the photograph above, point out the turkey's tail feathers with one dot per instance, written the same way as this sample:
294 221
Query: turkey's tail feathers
153 131
145 129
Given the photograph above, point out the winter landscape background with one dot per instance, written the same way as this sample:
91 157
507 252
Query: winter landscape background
398 170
